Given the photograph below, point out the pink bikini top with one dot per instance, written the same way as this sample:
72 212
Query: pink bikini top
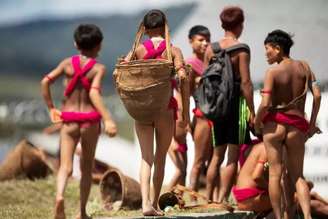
153 53
79 75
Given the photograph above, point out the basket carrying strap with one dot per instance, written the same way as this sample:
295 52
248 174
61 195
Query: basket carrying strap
153 53
141 31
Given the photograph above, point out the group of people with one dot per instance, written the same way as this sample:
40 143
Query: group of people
280 121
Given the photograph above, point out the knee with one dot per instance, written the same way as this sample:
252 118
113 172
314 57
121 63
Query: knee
182 172
67 170
159 165
197 165
86 164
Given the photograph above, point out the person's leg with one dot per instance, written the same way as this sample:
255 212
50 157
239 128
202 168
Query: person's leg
164 130
289 205
180 161
260 203
202 140
214 169
89 138
69 137
145 135
230 171
273 136
295 145
178 155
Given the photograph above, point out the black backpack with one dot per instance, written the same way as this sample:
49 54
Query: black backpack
217 84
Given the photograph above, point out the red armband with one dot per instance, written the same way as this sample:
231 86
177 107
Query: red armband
49 78
268 92
261 162
179 68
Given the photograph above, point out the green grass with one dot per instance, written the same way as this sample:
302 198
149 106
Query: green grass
35 199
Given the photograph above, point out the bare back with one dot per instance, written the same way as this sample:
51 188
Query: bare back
78 100
289 79
176 54
253 167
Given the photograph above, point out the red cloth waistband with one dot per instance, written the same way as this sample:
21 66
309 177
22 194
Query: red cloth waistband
92 116
288 119
198 113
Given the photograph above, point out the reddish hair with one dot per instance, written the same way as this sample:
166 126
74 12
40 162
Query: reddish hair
231 17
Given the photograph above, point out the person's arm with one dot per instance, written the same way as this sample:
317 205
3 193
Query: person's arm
258 173
54 113
316 196
179 65
265 102
192 81
96 99
208 56
246 85
315 90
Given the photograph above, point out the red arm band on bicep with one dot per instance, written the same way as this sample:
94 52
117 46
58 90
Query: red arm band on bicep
268 92
96 88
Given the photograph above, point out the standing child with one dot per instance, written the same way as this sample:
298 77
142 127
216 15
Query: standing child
199 38
82 112
163 125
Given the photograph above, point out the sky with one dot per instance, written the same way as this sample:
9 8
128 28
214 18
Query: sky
13 11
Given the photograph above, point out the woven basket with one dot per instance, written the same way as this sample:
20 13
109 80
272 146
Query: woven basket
144 85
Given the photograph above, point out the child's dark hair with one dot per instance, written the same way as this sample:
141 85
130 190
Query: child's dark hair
199 30
154 19
280 38
231 17
87 36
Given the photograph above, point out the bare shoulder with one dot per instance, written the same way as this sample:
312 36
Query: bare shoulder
140 50
66 62
100 67
273 71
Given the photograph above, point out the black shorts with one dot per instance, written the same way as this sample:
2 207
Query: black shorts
226 131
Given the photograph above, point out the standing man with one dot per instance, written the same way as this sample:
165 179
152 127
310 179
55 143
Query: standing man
226 131
282 113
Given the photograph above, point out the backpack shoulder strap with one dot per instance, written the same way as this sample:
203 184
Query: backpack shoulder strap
240 46
216 47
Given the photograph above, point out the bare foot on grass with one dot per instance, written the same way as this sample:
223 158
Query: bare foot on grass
150 211
79 216
59 209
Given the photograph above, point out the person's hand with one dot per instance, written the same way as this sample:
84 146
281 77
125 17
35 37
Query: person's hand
182 123
313 130
55 115
251 120
182 75
110 128
258 126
